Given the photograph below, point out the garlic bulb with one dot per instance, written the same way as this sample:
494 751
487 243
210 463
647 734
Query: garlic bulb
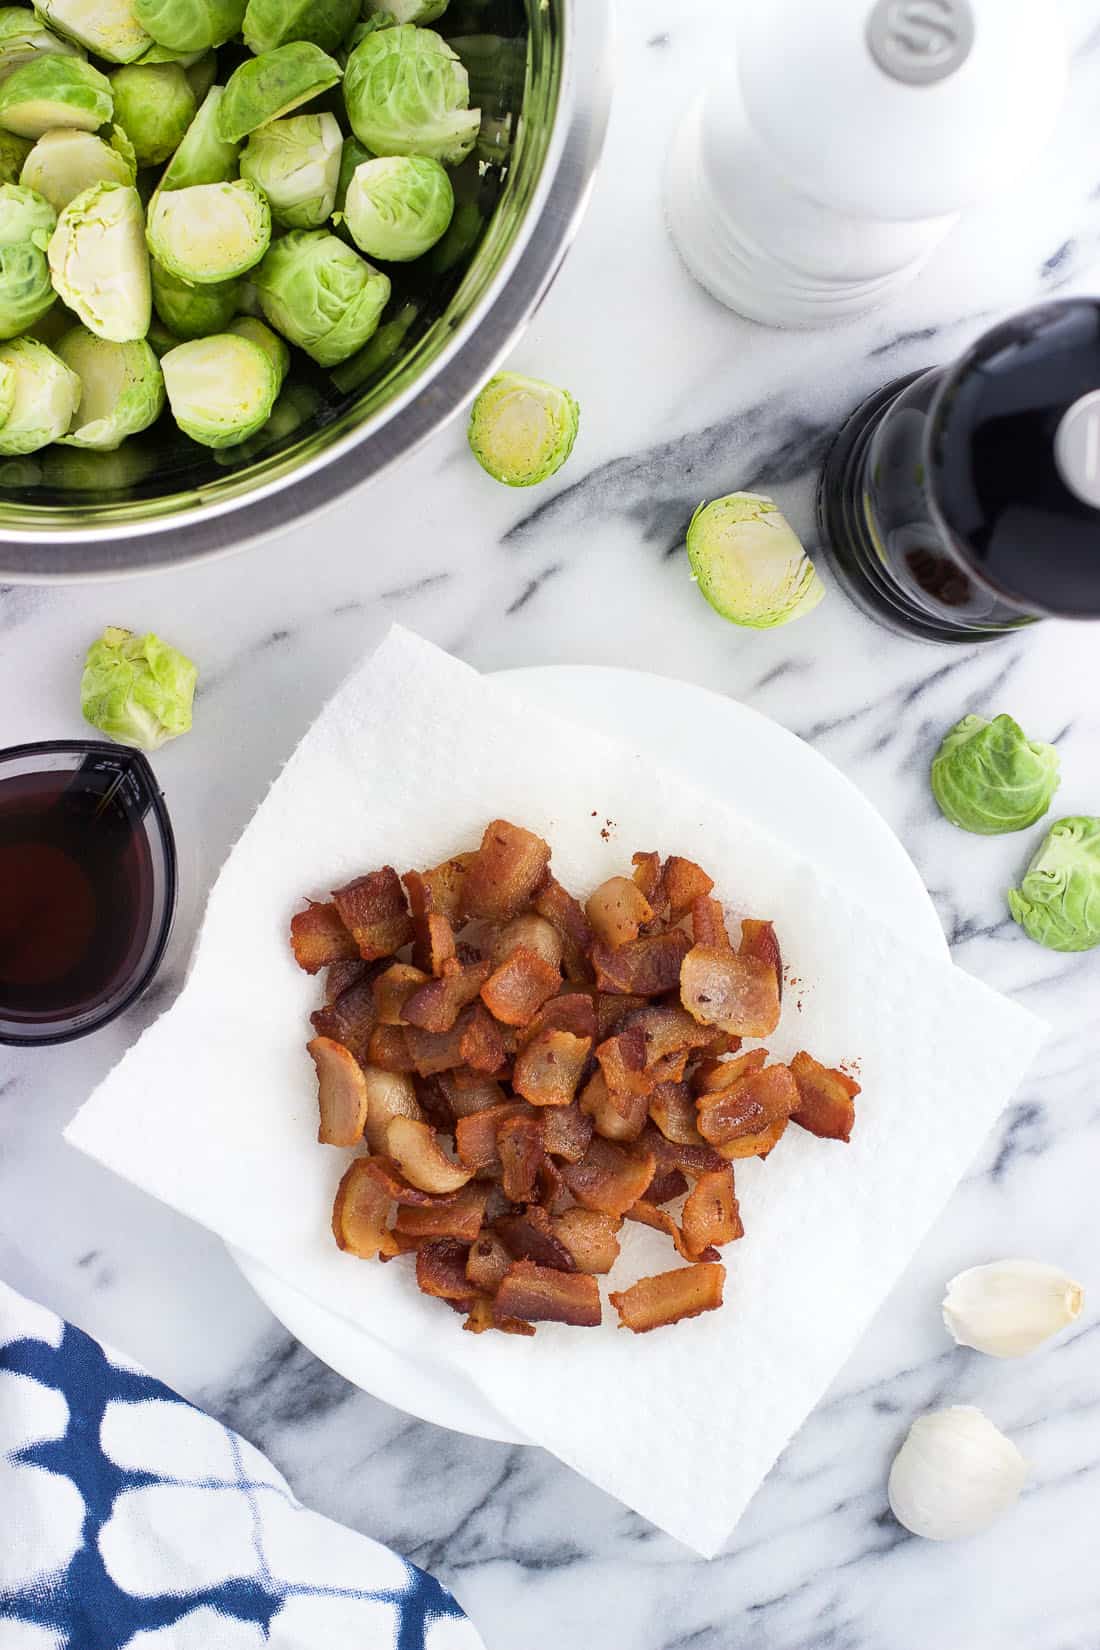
954 1475
1010 1307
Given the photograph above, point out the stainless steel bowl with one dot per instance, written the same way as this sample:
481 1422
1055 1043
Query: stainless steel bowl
540 69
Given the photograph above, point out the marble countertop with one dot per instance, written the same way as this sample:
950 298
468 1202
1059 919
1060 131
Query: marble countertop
680 401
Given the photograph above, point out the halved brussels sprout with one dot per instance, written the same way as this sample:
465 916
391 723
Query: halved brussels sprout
46 396
99 262
25 216
271 23
398 206
521 429
988 777
272 85
1058 901
55 91
321 295
13 154
749 564
407 11
220 389
190 25
154 105
193 311
247 326
23 37
296 404
65 162
109 28
121 389
203 155
407 93
202 74
211 231
296 162
26 291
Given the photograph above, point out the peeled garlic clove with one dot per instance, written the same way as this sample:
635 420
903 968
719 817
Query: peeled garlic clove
1010 1307
954 1475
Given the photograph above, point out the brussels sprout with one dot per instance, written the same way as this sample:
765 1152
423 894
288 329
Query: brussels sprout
749 564
296 404
271 23
408 94
46 396
64 163
159 337
352 156
25 216
407 11
165 54
136 689
220 389
99 262
522 430
23 37
321 295
202 74
1058 901
7 391
398 206
247 326
988 777
296 162
190 25
109 28
203 156
378 353
26 292
154 105
55 91
272 85
211 231
122 390
13 153
192 311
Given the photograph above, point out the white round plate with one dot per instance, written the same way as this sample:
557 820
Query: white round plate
716 743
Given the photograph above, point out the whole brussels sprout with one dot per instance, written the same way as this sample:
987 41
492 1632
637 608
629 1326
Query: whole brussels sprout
272 85
210 232
750 564
121 389
203 155
136 689
271 23
109 28
398 206
407 93
25 216
521 429
296 162
247 326
46 396
321 295
407 11
55 91
24 36
154 105
220 389
64 163
988 777
1058 901
193 311
99 262
190 25
13 154
26 291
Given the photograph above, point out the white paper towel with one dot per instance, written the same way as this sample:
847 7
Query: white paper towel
214 1109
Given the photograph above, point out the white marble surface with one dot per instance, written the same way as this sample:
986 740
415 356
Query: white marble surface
680 401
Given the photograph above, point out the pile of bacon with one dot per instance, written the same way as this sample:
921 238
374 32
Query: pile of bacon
527 1072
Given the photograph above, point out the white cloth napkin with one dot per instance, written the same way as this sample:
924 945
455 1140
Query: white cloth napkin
214 1109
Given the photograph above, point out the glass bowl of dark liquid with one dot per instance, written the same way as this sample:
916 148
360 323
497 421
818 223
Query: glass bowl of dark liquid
87 887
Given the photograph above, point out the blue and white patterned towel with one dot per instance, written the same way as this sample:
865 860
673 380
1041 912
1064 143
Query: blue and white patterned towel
128 1518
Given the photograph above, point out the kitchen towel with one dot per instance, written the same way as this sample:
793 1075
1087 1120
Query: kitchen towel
214 1109
131 1519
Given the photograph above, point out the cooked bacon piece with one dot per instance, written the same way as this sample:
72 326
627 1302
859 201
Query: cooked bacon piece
669 1297
388 1049
441 1270
708 924
444 883
484 1315
684 882
460 1215
734 993
389 1094
558 906
670 1154
551 1192
756 1145
530 1236
386 1172
715 1075
754 1102
341 976
647 875
591 1238
566 1132
487 1262
361 1212
666 1185
758 940
519 1147
476 1136
646 1213
541 1293
573 1011
392 990
673 1110
504 873
433 1051
350 1018
622 1062
433 934
516 990
527 932
617 911
318 937
610 1178
480 1042
668 1030
711 1216
436 1005
645 967
825 1098
434 1102
374 908
464 1098
341 1093
619 1116
419 1158
613 1012
548 1069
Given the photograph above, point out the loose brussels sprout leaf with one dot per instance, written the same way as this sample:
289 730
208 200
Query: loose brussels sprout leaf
64 163
353 155
749 564
272 85
122 390
271 23
203 156
136 689
522 430
26 291
25 216
46 396
378 353
220 389
988 777
211 231
23 37
13 154
1058 901
109 28
407 11
247 326
154 105
296 162
321 295
55 91
202 74
190 25
407 93
99 263
192 311
398 206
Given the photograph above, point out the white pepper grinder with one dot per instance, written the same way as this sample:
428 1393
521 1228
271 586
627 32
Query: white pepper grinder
840 140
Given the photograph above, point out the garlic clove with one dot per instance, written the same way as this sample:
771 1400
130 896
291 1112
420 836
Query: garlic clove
1010 1307
954 1475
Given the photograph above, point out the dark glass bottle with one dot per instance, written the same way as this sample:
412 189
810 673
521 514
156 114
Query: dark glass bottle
962 503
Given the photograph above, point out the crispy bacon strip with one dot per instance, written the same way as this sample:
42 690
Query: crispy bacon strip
753 1103
647 875
758 940
708 924
519 1147
531 1236
386 1172
617 911
670 1154
667 1030
318 937
541 1293
433 933
436 1005
619 1116
558 906
463 1099
711 1216
484 1315
341 1093
610 1178
614 1011
341 976
349 1019
458 1216
361 1212
737 994
622 1060
516 990
504 873
684 882
441 1270
388 1049
826 1098
549 1067
476 1136
666 1185
480 1043
591 1238
648 1214
376 912
715 1075
392 990
566 1132
669 1297
673 1110
573 1011
756 1145
645 967
414 1147
445 883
